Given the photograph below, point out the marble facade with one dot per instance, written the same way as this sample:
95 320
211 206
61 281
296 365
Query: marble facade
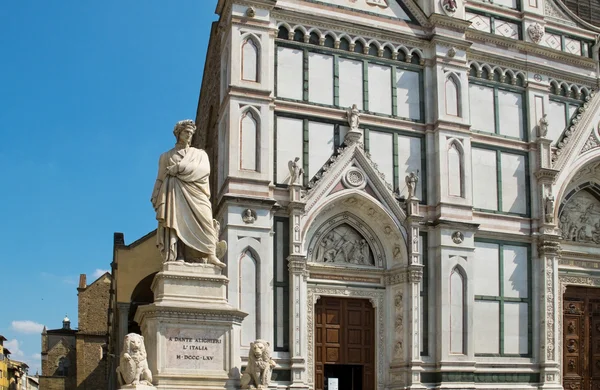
409 154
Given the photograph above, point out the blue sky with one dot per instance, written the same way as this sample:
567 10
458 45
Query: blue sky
89 94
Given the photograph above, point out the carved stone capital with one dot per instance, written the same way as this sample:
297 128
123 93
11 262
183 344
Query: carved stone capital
415 273
297 265
549 247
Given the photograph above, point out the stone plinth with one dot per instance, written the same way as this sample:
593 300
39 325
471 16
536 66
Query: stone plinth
138 387
188 329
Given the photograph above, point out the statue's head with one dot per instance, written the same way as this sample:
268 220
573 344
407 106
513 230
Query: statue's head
184 131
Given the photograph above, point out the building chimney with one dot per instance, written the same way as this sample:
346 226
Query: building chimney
82 281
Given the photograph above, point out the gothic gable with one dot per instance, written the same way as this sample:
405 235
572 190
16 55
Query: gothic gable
388 8
350 190
582 137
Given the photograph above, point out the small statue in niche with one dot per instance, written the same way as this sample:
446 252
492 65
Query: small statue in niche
296 171
248 216
543 126
411 183
549 208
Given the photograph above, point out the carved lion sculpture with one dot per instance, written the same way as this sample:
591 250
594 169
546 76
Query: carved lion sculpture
133 368
257 374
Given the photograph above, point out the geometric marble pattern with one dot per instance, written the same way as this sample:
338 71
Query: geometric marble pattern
507 29
479 22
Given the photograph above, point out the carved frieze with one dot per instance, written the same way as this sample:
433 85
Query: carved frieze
346 240
344 244
580 219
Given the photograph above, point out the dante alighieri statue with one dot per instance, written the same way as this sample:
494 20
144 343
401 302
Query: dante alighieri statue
181 199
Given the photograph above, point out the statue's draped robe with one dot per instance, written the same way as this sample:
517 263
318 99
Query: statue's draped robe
182 203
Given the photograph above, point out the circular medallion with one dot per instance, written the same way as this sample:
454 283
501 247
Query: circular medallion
354 178
458 237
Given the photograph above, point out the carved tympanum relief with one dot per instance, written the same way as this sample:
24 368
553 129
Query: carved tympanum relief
343 245
580 218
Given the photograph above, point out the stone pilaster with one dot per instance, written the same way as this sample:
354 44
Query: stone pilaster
298 293
550 354
415 275
123 318
298 325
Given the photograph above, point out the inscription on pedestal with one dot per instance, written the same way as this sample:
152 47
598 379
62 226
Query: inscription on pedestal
195 349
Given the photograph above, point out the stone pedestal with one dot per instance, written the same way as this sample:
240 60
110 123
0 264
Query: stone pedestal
188 330
138 387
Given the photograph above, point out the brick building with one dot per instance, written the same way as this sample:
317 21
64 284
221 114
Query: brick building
75 358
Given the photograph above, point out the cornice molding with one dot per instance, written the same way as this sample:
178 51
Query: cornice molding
323 22
531 48
525 66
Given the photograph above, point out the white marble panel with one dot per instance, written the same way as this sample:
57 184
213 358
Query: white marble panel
380 89
456 313
481 103
510 115
506 3
248 142
351 82
452 97
514 194
485 186
516 327
486 327
289 146
409 160
486 269
248 297
516 277
557 122
408 94
320 145
289 73
381 149
572 112
249 61
320 78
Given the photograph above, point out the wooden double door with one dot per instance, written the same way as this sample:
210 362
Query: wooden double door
581 338
345 343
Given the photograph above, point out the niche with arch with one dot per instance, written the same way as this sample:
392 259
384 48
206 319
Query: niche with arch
249 140
248 295
250 59
452 92
455 168
457 311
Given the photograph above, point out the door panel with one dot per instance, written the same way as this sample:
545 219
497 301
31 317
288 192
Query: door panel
581 338
344 335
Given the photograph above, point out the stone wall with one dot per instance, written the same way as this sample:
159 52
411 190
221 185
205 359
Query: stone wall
93 306
93 334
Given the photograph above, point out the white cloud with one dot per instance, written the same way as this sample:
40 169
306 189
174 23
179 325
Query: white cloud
99 272
33 361
13 347
27 326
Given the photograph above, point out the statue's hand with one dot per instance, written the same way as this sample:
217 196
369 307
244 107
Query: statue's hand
173 170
